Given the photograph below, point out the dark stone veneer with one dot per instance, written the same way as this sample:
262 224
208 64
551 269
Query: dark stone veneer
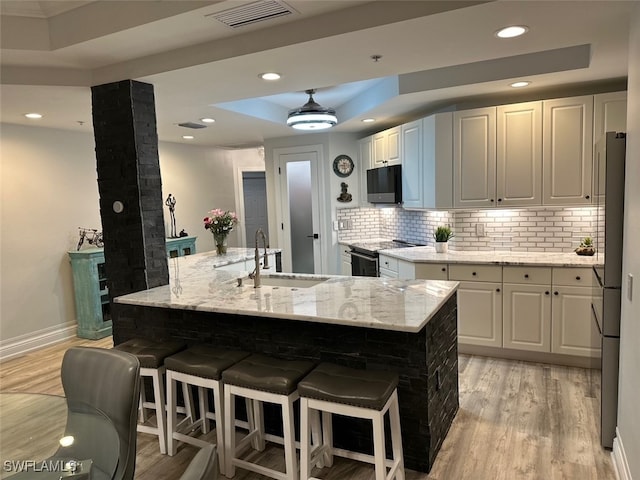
427 363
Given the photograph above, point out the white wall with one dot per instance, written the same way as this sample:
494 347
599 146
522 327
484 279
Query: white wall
629 384
49 188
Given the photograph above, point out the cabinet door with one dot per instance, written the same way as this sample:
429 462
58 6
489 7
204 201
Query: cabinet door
365 147
412 165
345 261
567 151
609 114
474 157
379 150
437 155
574 332
519 154
480 313
526 317
394 146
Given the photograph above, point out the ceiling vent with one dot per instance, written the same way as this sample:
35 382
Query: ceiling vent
195 126
252 13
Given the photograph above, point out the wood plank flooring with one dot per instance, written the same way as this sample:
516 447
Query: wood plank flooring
517 420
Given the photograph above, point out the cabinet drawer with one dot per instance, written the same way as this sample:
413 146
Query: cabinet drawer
432 271
576 277
389 263
527 275
475 273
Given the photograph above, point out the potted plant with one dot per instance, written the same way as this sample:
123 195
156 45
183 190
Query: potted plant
586 247
442 236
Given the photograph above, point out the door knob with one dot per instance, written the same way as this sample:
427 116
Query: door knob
315 235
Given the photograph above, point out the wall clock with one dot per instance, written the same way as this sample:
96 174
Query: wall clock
343 165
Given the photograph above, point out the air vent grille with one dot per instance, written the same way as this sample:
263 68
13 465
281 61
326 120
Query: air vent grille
195 126
252 13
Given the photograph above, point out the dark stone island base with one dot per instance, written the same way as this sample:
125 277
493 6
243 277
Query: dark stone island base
427 362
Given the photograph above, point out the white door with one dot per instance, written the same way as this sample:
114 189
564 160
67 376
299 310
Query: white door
300 208
480 313
526 317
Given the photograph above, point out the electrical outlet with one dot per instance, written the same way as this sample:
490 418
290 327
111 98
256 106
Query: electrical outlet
479 229
336 226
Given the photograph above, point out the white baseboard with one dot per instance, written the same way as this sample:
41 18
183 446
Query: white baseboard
32 341
619 458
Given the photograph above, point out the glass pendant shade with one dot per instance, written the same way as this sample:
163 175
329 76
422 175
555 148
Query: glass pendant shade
312 116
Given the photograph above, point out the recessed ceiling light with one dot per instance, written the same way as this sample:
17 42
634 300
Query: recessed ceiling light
512 31
207 120
368 120
188 137
270 76
520 84
33 115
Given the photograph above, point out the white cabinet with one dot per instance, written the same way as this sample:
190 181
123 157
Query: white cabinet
412 165
574 332
526 312
423 271
345 260
388 266
567 151
365 148
479 304
427 169
387 148
474 157
609 114
519 154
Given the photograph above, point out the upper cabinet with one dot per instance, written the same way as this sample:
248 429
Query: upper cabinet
609 114
519 154
567 156
427 162
474 157
387 148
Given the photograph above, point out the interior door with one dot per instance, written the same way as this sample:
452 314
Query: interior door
254 189
300 206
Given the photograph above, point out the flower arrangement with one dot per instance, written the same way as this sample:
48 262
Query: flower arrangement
220 223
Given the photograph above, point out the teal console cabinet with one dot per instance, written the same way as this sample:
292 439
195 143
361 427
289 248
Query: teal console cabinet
93 309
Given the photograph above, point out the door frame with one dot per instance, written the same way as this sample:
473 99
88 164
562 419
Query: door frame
238 180
282 217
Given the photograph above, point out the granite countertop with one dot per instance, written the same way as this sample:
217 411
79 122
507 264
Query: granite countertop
386 304
542 259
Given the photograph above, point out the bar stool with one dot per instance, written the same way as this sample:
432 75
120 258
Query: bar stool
356 393
151 356
201 366
262 379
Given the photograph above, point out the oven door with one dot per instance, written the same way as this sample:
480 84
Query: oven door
363 265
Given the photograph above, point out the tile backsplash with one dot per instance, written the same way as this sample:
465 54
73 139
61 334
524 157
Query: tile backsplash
540 229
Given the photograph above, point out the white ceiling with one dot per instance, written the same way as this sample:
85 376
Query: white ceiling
434 53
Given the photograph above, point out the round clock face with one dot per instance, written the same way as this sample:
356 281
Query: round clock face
343 165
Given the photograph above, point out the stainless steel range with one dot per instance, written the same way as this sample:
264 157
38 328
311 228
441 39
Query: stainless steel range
364 256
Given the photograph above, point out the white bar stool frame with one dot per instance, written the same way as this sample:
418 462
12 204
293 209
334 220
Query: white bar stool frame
310 456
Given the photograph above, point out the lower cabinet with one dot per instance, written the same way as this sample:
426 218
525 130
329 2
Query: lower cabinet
526 317
480 313
388 266
345 261
574 333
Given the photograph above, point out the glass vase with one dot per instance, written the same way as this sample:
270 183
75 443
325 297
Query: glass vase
221 243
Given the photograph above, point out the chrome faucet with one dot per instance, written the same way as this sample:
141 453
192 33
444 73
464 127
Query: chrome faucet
255 275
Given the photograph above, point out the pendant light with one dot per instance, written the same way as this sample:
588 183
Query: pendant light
312 116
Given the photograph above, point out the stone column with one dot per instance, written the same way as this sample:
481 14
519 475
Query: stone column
130 187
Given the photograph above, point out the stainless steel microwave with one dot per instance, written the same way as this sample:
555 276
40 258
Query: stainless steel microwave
384 185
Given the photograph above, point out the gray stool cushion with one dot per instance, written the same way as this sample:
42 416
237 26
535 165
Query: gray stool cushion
260 372
361 388
150 354
203 361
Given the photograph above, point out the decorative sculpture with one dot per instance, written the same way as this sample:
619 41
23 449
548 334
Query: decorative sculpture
171 203
344 196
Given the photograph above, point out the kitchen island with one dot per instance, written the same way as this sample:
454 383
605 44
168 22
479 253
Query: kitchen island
405 326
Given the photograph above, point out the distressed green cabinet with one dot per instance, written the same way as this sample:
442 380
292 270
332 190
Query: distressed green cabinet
93 309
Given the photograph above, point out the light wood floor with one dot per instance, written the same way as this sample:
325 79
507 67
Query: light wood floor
516 420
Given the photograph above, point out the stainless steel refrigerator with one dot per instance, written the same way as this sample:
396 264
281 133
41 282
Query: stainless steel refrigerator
609 160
